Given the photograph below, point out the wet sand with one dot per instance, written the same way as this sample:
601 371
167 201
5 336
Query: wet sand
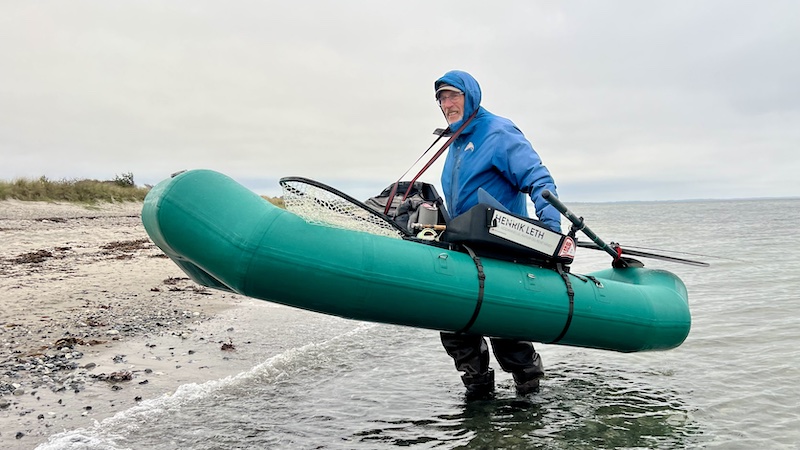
94 318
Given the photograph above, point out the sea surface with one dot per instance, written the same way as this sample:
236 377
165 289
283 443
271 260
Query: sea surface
340 384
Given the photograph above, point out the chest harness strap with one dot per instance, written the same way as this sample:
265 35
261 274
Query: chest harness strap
429 163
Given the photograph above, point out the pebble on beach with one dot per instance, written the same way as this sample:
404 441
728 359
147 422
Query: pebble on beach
77 282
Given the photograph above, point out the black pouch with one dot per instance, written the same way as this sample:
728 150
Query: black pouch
503 235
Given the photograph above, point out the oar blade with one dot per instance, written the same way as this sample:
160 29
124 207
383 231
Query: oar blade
674 259
642 254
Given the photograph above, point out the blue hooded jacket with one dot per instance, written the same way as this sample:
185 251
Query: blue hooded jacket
493 154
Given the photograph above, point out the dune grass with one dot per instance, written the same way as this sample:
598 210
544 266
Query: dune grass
277 201
120 189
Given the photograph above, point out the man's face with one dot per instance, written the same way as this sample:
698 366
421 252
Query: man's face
452 104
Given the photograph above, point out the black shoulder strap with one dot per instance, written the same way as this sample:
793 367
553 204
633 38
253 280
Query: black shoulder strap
440 133
440 151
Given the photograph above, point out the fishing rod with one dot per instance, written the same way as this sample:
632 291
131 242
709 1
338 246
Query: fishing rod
441 133
615 250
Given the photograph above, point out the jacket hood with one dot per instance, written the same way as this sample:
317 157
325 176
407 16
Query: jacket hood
469 86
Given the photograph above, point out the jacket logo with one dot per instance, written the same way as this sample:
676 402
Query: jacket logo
470 147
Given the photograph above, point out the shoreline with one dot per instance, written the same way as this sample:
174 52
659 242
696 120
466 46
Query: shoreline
95 318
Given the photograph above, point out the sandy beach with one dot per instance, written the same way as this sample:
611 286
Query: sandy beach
94 318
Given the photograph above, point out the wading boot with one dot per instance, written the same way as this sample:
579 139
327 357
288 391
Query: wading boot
525 384
479 387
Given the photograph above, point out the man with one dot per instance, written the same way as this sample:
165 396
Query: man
493 154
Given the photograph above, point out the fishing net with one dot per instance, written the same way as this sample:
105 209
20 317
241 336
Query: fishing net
323 205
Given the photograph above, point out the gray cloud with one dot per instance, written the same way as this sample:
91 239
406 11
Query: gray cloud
624 100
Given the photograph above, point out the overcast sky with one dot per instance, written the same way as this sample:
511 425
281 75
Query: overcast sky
623 100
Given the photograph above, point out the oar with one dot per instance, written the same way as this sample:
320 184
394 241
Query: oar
615 250
578 222
627 251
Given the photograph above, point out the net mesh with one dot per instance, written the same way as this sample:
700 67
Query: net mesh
321 206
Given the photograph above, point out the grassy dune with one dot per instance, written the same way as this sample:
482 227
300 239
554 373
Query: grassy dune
121 189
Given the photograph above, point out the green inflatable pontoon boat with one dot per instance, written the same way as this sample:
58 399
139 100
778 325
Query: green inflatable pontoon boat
224 236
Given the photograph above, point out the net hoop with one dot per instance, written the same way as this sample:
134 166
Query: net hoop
320 204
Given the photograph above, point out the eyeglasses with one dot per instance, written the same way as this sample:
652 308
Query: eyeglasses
451 96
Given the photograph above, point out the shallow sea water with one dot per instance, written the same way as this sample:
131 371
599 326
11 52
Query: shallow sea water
343 384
